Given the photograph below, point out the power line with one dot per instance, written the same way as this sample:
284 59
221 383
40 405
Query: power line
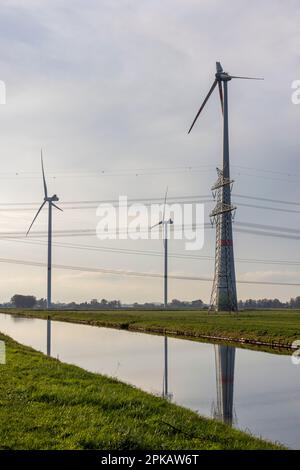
136 273
140 170
103 174
108 173
116 201
194 197
154 253
147 204
268 234
276 201
93 204
268 227
257 229
267 170
275 209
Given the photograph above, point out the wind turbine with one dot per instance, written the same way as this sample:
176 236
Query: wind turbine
50 200
224 287
165 224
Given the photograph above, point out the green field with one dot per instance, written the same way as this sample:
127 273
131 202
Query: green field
267 327
45 404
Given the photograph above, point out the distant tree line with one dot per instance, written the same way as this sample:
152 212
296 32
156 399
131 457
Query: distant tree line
194 304
269 303
30 301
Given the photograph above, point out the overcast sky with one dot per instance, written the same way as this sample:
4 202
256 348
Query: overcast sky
113 85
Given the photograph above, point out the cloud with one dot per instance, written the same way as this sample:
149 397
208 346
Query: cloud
115 84
271 276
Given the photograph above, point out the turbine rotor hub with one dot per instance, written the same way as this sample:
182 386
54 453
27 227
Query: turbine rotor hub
223 76
166 222
52 198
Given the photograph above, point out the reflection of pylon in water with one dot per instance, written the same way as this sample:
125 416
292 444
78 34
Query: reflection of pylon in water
223 410
165 392
223 296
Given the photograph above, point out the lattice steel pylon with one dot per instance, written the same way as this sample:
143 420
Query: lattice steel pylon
223 295
224 285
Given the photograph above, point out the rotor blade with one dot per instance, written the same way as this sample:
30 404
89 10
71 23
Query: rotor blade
164 211
219 67
155 225
203 104
221 96
246 78
35 217
44 179
54 205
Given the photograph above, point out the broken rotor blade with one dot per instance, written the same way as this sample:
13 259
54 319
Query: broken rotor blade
221 96
219 67
203 104
155 225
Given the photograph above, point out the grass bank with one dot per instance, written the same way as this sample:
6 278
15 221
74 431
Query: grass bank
45 404
274 328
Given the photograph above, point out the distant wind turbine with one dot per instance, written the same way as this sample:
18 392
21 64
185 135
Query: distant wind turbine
165 224
50 200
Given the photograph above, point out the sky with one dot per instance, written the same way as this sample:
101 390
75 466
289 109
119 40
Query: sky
109 89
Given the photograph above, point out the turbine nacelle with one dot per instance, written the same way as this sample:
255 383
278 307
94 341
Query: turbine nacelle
223 77
220 75
163 222
166 222
53 198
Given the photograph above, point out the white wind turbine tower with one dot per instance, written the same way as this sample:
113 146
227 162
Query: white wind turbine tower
165 224
50 200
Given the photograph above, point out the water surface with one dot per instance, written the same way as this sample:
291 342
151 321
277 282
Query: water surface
254 391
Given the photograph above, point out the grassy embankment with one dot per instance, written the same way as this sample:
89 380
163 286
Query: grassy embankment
45 404
266 327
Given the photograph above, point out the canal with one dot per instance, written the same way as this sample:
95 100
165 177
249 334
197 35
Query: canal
254 391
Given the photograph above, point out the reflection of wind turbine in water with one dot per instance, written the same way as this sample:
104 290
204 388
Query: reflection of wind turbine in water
165 224
165 392
48 336
223 410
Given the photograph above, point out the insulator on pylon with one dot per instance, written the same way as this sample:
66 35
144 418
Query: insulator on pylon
222 182
221 208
